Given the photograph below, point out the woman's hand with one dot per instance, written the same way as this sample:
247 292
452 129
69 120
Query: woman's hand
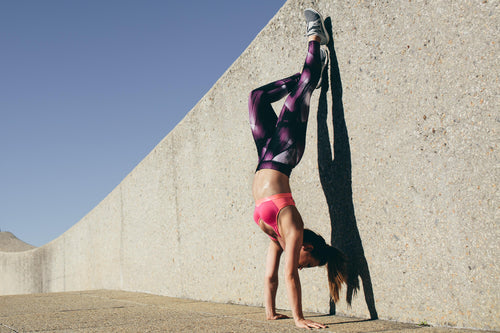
308 324
277 316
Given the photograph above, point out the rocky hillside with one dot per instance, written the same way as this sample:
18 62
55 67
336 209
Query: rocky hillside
10 243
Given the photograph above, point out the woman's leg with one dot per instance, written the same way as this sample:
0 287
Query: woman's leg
288 142
262 116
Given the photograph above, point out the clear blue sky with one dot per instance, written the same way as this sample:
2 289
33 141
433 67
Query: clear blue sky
89 87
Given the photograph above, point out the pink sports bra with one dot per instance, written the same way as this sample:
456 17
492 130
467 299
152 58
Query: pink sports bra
267 210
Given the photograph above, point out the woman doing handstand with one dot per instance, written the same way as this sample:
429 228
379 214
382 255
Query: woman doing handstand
280 145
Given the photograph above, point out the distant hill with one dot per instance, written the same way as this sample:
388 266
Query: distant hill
10 243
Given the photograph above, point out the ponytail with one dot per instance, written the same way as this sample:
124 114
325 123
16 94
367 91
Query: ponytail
335 260
337 271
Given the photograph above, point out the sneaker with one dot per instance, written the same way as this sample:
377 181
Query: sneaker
315 25
324 62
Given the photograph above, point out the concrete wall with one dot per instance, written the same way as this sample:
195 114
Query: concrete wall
409 190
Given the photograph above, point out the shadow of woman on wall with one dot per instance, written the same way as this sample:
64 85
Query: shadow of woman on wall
335 177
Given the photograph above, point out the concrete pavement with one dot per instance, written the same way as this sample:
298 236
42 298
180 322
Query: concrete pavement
119 311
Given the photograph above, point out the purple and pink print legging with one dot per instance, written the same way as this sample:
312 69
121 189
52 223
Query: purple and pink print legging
281 141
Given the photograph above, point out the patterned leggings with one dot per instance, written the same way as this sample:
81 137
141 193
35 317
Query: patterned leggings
281 141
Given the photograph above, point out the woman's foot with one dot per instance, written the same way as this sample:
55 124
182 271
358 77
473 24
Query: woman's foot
315 26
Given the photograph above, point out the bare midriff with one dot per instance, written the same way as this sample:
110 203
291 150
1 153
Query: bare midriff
269 182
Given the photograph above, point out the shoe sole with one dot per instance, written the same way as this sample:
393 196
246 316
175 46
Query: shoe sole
323 66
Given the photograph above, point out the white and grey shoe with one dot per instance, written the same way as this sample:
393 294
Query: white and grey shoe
324 61
316 26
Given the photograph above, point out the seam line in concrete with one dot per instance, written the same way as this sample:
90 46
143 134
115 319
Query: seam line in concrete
8 327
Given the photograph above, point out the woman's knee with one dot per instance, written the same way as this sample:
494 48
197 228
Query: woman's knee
256 97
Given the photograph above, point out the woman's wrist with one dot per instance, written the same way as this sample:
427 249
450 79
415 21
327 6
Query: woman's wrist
271 315
270 311
298 319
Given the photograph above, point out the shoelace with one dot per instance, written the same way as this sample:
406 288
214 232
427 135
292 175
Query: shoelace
313 26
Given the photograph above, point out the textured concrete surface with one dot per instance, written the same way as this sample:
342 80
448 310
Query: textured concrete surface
400 172
118 311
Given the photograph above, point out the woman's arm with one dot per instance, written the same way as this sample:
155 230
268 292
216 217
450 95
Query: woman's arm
271 280
293 240
293 230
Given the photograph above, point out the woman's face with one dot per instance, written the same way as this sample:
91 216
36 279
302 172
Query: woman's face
306 259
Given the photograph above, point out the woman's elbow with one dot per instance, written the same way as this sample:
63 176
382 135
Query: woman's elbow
271 278
292 275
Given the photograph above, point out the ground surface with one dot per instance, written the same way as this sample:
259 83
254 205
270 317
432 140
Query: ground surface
119 311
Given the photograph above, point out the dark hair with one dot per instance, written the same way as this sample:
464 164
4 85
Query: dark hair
335 260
